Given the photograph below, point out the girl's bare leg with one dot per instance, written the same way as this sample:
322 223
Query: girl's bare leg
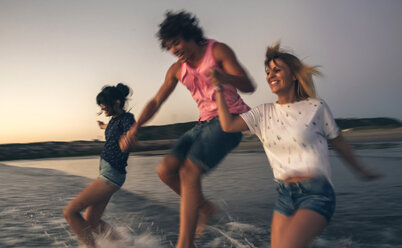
97 195
93 216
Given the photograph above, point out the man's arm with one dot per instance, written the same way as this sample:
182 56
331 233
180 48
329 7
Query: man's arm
233 73
171 79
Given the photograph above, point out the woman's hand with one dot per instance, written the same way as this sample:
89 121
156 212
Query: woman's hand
368 175
216 76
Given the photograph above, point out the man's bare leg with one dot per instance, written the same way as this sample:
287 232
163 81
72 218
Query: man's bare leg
168 171
191 200
207 209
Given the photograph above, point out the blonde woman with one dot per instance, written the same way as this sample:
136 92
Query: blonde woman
294 131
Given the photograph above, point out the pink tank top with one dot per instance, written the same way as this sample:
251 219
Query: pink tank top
203 90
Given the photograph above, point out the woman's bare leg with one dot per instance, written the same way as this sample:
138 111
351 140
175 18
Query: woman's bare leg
297 231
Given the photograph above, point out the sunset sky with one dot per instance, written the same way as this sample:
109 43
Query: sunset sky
56 55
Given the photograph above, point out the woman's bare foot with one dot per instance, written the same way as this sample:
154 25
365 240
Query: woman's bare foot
206 211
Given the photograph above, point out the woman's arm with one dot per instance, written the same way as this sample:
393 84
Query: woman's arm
228 122
346 152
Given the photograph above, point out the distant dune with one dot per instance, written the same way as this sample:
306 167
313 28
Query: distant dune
157 139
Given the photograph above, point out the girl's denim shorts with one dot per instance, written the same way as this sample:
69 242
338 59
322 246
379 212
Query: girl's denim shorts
110 174
315 194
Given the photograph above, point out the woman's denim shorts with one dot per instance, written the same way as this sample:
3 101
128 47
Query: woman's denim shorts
110 174
315 194
206 144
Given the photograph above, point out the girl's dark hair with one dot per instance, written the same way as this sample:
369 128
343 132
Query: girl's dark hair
110 94
181 24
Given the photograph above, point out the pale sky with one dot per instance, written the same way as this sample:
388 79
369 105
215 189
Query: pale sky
56 55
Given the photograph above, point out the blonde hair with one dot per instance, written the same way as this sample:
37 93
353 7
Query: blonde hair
304 74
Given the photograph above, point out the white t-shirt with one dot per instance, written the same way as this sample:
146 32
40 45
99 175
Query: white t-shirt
294 136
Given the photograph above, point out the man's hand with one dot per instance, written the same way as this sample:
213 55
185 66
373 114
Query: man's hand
127 140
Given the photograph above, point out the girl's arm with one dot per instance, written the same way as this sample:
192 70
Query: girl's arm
228 122
102 125
346 152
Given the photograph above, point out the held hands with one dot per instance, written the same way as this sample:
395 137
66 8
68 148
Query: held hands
127 140
216 76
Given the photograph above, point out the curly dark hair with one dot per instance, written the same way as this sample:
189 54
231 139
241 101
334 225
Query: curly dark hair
180 24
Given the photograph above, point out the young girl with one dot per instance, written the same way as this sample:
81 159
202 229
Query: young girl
294 131
113 162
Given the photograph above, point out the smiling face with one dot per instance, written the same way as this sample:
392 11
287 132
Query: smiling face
106 110
180 48
279 77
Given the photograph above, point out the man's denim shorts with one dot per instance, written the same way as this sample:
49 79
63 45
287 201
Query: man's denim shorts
206 144
110 174
315 194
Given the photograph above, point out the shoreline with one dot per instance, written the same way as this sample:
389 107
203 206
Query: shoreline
249 144
354 138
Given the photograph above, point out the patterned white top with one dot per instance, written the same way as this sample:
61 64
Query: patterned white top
294 136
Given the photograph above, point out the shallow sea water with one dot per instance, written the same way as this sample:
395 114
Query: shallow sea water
145 212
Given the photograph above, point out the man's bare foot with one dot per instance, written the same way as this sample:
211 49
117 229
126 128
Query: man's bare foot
206 211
